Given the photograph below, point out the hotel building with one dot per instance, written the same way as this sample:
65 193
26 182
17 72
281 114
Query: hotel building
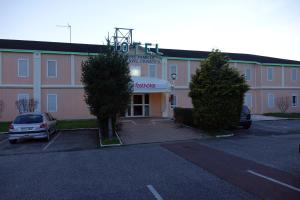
50 73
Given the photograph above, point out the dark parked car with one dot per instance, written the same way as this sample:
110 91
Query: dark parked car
245 119
32 125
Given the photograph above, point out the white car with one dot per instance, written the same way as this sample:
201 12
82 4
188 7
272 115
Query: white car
32 125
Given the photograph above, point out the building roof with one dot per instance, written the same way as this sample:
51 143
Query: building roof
92 48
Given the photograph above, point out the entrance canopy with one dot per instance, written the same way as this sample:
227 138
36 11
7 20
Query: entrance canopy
150 85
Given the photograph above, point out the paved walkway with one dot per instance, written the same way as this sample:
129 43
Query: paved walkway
149 130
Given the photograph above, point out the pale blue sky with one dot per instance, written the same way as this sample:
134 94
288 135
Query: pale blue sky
263 27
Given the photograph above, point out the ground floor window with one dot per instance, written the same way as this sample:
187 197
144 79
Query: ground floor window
22 102
248 100
139 106
270 100
51 102
294 100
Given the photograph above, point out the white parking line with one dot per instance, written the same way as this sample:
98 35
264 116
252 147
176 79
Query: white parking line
51 141
273 180
3 141
154 192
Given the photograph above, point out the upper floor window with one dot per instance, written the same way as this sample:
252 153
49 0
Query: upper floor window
135 70
173 70
270 73
23 68
248 74
51 68
294 100
271 100
294 74
152 71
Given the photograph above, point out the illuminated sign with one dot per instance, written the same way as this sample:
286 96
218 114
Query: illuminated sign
144 85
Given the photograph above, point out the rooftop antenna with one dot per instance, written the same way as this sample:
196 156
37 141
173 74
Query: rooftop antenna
69 27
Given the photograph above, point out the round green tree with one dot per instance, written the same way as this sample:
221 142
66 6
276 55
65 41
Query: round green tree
107 85
217 93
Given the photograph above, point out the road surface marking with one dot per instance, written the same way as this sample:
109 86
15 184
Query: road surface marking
51 141
274 180
3 141
154 192
224 136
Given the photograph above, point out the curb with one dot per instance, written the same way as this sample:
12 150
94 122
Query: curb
77 129
109 145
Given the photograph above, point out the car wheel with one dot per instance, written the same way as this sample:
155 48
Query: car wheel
14 141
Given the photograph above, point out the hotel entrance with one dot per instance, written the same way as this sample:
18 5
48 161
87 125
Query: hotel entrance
139 106
149 98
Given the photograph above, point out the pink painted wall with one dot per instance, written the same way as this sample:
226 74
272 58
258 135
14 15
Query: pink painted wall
10 68
288 77
70 103
78 61
276 76
183 100
63 69
145 69
182 66
9 97
253 72
155 105
194 66
278 94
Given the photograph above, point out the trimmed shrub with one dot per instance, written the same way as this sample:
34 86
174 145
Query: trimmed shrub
184 116
217 93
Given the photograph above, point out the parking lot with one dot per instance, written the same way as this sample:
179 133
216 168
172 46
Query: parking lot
257 163
61 141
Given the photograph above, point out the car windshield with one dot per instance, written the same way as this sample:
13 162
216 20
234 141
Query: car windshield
28 119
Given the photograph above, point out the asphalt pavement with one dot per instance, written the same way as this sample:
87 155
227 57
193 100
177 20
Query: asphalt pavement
73 167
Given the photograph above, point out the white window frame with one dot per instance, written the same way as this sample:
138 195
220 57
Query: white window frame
296 103
48 102
176 71
155 70
47 71
296 71
272 70
136 67
27 71
248 76
273 100
250 98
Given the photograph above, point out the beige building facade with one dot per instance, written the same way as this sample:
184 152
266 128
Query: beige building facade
50 73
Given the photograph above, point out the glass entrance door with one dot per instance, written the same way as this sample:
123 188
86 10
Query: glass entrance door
139 106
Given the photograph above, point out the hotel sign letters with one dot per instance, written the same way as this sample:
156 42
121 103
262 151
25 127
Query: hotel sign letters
124 47
143 59
144 85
